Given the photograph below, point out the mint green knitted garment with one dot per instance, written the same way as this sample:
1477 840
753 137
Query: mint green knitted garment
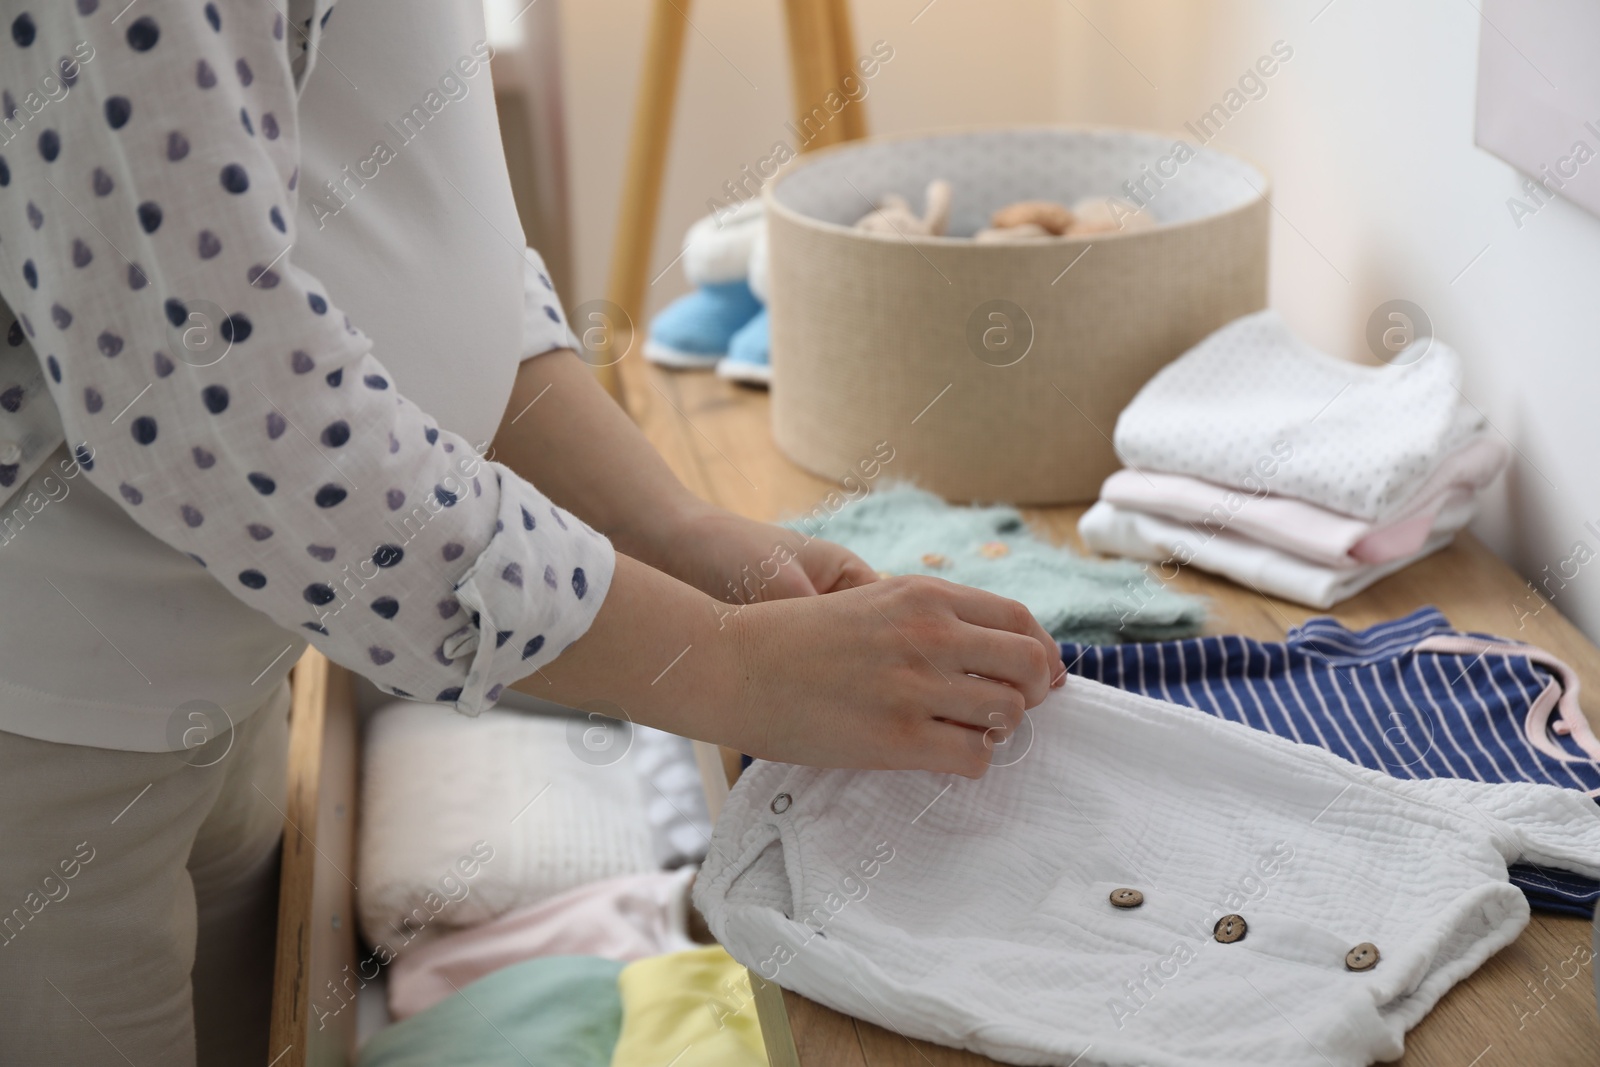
1075 599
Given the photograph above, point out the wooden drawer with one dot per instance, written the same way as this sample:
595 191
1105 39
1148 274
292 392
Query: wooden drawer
317 974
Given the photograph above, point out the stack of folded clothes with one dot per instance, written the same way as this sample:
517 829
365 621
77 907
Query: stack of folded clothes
1259 458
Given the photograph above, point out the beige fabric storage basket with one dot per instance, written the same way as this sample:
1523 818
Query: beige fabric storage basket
896 338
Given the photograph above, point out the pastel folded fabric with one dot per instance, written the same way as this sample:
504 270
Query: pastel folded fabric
562 1010
900 529
1306 530
1116 531
1288 909
675 797
688 1009
463 820
623 919
1411 697
1354 439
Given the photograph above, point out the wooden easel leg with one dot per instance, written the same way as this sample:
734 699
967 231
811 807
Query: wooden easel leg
647 154
844 62
821 54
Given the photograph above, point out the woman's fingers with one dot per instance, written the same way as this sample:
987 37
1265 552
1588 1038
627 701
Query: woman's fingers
979 704
1018 661
954 749
833 567
999 613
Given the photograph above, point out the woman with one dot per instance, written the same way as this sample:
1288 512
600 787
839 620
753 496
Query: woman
235 242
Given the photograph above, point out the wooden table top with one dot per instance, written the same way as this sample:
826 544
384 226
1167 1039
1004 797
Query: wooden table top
716 436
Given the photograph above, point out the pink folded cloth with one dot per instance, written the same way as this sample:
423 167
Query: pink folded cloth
1445 500
625 918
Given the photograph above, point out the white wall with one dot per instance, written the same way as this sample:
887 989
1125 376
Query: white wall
1366 132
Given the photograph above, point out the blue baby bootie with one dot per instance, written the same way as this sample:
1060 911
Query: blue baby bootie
695 330
749 353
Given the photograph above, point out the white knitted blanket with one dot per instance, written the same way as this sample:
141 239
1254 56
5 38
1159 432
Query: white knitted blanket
1252 404
978 914
464 819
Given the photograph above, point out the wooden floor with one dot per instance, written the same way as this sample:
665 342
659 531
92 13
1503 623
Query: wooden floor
1516 1010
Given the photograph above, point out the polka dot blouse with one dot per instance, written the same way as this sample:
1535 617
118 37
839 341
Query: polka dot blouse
148 172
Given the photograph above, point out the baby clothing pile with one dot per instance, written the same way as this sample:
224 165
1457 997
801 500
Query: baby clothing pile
723 323
689 1009
1146 885
1259 458
1411 697
519 836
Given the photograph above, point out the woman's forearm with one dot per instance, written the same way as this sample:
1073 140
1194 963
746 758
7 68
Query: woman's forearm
659 651
562 432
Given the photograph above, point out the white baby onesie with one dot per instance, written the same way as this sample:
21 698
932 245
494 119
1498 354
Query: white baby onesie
985 914
1355 439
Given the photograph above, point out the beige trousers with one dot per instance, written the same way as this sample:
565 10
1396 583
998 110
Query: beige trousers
138 898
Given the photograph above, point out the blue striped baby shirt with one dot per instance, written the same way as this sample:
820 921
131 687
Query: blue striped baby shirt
1411 697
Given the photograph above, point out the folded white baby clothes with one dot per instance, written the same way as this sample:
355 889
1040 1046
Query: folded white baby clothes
625 919
1358 440
1115 531
1147 884
1306 530
465 819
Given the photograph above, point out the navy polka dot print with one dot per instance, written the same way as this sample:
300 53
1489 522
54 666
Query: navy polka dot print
215 398
211 403
143 34
234 328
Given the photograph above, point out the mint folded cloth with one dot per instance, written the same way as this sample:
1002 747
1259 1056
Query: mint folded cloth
563 1010
900 529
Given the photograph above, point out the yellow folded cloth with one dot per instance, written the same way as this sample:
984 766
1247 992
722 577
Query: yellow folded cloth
689 1009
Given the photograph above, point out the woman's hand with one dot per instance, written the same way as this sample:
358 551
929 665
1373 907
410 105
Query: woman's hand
904 673
743 561
908 672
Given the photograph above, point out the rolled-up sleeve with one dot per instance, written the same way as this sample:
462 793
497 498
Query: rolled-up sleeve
148 173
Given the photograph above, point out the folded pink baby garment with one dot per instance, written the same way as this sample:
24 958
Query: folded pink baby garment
1445 501
625 918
